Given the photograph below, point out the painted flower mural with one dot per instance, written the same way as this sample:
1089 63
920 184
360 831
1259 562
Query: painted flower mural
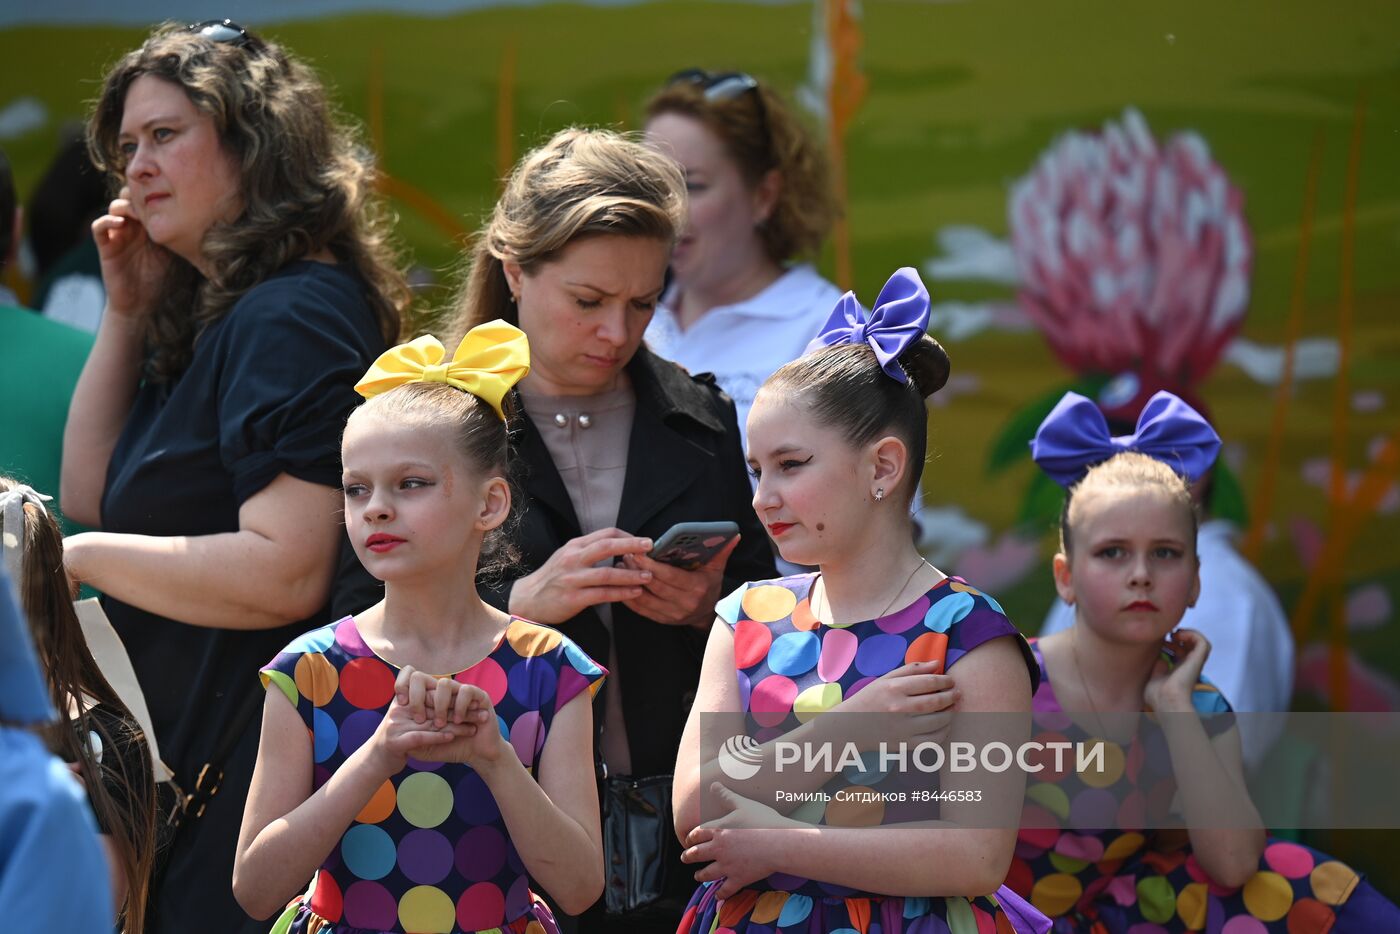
1133 257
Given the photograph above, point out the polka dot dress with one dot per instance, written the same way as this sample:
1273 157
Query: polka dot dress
1130 882
790 669
430 851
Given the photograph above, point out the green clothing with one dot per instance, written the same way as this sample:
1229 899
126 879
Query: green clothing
39 365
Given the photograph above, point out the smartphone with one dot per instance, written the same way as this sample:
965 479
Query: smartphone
690 544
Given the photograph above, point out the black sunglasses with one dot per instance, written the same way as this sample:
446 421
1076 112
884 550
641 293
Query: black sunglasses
222 30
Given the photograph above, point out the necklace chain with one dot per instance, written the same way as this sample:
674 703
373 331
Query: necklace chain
826 603
1093 707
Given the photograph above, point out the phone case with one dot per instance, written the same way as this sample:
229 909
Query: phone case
690 544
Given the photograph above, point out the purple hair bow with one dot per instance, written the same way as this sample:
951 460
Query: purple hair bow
1074 437
899 318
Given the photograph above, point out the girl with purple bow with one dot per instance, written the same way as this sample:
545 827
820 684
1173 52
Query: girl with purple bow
1128 566
836 443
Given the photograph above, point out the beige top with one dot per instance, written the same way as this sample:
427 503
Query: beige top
587 439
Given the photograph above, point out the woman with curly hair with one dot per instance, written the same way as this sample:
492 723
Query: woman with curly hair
742 302
249 284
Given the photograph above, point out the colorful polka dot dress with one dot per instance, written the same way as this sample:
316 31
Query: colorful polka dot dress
790 668
430 851
1149 882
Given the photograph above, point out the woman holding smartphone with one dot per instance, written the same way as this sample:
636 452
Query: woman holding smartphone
618 446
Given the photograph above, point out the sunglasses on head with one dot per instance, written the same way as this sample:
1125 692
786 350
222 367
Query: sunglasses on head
718 86
222 30
724 86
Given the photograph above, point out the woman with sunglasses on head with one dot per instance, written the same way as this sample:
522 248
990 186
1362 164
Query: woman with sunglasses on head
741 304
249 284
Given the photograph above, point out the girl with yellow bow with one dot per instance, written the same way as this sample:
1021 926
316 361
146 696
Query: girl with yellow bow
426 802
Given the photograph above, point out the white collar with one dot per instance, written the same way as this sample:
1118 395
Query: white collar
791 295
1215 534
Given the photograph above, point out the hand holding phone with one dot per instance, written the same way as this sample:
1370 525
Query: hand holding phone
688 545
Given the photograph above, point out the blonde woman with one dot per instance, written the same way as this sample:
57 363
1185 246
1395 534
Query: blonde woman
618 445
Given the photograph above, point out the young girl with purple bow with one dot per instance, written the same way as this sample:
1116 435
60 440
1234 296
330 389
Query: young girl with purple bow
1128 566
836 443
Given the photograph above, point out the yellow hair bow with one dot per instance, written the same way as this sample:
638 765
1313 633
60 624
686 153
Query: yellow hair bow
491 359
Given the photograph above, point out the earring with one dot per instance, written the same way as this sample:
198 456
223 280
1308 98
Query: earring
514 298
879 493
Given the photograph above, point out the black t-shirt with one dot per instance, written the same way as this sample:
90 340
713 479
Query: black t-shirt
267 392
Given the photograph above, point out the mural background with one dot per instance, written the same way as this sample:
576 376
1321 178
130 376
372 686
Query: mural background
960 99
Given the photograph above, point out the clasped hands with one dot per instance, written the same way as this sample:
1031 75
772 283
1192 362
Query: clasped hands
438 719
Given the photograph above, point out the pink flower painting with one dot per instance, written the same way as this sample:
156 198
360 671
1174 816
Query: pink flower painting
1133 256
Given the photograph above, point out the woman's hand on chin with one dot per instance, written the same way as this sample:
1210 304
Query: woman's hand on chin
133 267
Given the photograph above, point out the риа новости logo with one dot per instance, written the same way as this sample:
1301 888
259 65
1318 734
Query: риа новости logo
740 758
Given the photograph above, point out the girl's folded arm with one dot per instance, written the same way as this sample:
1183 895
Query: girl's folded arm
718 691
716 712
553 823
1227 833
972 843
287 830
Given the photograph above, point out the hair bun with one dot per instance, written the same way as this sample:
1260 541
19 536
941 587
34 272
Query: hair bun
926 364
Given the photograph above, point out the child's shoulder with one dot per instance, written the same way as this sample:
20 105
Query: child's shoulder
1207 699
529 643
765 601
966 615
342 635
955 595
960 617
337 642
949 601
529 639
311 664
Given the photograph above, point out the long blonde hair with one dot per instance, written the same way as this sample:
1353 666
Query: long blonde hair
581 183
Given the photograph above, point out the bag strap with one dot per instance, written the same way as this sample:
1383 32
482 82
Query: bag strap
211 774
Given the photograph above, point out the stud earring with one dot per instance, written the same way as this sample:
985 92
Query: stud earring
879 493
